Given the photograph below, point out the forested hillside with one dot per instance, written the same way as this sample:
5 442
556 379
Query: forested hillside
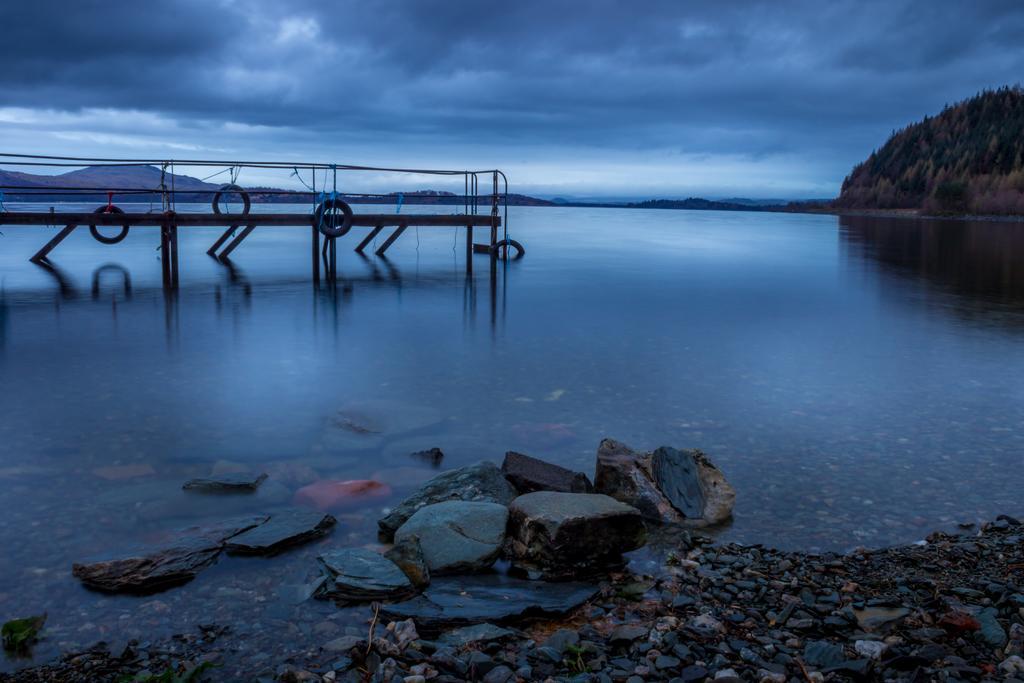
968 159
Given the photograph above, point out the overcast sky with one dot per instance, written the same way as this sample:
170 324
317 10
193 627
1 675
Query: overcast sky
582 98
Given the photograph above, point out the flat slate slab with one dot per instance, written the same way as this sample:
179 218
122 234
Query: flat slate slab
361 575
176 561
529 474
493 598
678 477
283 530
235 482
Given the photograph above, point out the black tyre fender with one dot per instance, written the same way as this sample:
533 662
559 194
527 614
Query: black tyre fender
231 188
506 245
327 222
114 239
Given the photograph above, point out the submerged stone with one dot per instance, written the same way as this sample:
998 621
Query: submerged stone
283 530
463 600
434 456
329 494
361 575
385 416
457 536
562 534
530 474
234 482
480 482
183 555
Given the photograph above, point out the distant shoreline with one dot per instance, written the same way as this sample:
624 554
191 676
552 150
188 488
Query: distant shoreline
693 204
906 214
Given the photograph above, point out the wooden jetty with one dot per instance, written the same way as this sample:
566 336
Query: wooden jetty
331 219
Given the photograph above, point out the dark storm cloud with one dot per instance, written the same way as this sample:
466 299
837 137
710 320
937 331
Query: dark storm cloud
815 84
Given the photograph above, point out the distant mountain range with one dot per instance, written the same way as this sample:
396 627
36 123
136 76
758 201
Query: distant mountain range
137 184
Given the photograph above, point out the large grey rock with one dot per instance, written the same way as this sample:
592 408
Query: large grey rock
361 575
283 530
177 560
494 598
457 536
670 486
564 534
480 482
530 474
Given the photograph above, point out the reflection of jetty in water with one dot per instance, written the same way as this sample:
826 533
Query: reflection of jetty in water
980 263
233 294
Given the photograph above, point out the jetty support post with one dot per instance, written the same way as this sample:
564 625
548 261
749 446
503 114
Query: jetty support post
212 251
469 248
235 242
369 238
169 254
40 255
316 255
329 254
333 249
494 217
391 239
165 251
173 238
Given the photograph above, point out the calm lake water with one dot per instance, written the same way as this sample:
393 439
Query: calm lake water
858 380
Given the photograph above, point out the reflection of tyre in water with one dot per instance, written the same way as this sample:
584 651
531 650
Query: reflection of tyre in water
326 217
114 239
501 248
116 270
228 189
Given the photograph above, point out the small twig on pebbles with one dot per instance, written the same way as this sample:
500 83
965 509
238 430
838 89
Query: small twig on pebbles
373 627
803 669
